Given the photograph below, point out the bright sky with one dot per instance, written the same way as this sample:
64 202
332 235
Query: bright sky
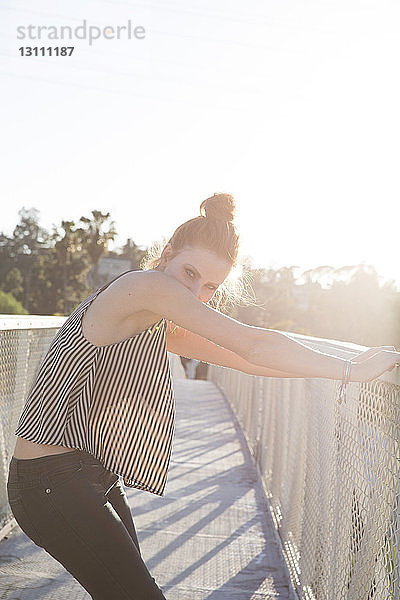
292 106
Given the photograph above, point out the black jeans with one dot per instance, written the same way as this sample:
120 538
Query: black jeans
75 509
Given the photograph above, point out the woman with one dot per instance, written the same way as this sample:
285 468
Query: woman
101 406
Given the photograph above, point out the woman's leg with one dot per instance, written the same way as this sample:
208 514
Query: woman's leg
117 498
99 553
63 509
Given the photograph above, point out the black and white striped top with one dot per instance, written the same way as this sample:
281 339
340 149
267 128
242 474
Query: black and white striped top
116 401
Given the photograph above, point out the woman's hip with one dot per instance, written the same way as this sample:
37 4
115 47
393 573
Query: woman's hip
54 491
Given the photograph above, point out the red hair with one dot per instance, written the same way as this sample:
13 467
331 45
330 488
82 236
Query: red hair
213 230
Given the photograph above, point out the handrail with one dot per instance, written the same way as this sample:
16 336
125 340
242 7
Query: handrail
330 472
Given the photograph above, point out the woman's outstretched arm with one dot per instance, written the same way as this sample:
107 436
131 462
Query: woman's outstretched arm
163 295
190 345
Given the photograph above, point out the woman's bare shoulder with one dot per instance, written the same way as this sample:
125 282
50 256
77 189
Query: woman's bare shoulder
125 295
165 297
111 317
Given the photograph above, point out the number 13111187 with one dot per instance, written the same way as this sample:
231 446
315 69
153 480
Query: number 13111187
43 51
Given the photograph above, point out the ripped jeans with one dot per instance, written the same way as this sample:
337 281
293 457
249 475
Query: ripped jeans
77 510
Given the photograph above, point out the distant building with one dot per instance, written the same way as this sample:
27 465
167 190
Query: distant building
108 268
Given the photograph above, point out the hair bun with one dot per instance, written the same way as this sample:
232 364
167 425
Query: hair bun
219 206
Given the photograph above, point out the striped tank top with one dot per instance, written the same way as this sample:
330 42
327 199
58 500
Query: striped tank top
115 402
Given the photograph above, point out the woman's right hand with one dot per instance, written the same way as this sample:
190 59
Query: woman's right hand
374 366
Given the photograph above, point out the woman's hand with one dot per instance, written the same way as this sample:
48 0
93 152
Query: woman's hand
374 362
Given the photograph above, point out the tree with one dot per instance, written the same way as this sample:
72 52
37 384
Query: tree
95 239
22 250
10 306
73 264
14 283
6 262
275 306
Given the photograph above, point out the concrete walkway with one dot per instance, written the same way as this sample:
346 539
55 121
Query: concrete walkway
209 538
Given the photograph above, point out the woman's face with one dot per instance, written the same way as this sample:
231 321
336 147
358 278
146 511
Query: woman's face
201 271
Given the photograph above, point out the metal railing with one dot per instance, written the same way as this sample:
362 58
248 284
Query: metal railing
330 472
23 342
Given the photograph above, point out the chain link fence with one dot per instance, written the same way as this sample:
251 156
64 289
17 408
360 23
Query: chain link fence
330 472
23 342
